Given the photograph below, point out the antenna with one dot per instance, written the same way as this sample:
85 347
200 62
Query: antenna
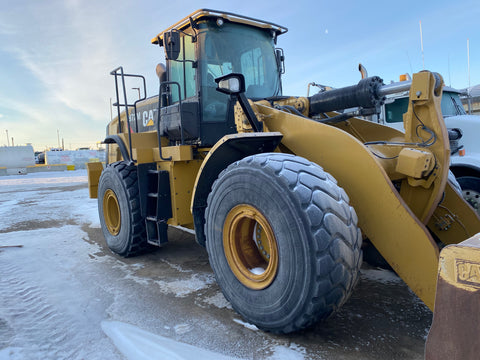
468 89
468 59
421 44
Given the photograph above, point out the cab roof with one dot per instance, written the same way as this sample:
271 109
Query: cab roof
228 16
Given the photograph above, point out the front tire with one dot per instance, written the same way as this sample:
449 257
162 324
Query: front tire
119 209
282 240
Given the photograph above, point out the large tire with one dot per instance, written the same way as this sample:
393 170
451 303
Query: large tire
471 190
282 241
119 208
454 182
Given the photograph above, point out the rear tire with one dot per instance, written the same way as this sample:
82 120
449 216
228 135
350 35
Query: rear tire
282 240
119 210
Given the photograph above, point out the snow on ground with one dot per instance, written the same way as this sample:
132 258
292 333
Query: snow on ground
64 296
49 309
20 192
46 309
46 178
380 275
49 312
137 344
182 288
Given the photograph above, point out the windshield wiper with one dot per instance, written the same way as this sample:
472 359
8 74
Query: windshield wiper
456 106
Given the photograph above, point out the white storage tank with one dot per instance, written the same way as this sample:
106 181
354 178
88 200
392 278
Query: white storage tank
16 158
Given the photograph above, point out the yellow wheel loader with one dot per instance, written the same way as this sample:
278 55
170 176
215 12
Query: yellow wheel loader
279 189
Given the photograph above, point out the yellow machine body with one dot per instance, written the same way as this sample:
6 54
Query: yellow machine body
396 182
395 222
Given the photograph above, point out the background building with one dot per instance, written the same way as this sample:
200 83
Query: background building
474 100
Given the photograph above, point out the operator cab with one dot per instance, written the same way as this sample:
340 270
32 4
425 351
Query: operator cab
201 48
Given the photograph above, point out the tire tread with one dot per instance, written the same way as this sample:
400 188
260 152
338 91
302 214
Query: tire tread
128 175
318 195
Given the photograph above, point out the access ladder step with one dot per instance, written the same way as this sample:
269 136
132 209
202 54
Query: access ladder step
156 231
155 202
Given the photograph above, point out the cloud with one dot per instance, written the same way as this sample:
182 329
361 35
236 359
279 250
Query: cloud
38 124
56 55
70 58
60 56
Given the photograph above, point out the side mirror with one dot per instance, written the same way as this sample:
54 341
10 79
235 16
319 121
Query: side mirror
231 84
234 85
171 42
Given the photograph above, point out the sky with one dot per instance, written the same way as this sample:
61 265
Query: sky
56 55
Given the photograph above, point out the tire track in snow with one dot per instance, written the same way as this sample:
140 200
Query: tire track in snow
30 326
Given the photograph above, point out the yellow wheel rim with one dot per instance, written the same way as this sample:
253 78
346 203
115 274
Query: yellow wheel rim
111 212
250 247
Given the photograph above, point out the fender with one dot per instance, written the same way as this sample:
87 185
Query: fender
465 166
115 139
226 151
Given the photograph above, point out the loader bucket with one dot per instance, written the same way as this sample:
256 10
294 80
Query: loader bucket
94 171
456 318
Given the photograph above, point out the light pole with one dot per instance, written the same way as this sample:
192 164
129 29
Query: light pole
8 140
111 114
138 89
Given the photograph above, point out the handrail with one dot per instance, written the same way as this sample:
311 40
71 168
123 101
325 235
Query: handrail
117 104
160 96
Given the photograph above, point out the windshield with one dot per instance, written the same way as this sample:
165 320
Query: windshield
235 48
241 49
451 106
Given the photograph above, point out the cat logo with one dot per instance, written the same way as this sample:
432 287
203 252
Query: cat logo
468 272
147 117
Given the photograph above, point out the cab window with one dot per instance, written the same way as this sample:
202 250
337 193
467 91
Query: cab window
182 70
394 111
239 49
